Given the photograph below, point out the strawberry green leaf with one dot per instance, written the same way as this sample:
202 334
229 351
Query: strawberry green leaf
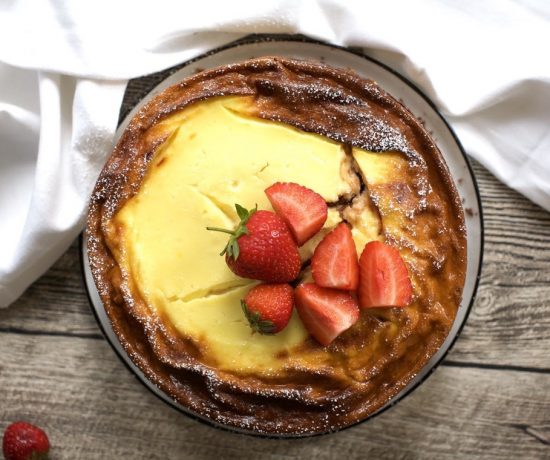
241 212
232 247
257 324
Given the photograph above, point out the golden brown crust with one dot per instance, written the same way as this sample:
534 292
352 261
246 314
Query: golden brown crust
351 110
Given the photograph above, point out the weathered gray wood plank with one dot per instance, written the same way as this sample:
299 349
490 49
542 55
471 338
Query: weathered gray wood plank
56 303
491 400
510 321
57 370
93 407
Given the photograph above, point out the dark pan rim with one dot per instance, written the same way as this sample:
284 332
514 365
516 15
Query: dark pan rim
259 38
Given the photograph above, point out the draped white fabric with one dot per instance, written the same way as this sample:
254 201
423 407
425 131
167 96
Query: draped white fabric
64 66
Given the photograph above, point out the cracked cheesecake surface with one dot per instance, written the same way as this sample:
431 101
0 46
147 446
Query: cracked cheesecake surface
214 157
222 137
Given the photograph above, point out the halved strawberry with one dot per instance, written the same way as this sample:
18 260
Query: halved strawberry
303 210
325 312
384 280
334 262
268 307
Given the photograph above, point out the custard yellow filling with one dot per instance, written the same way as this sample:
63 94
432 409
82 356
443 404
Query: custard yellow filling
376 169
222 334
215 156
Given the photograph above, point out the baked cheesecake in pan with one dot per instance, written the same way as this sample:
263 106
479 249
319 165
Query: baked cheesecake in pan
222 137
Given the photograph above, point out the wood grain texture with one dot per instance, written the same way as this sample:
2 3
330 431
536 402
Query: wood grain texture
56 304
93 407
490 399
510 320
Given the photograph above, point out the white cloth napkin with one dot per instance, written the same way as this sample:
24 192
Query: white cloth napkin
64 67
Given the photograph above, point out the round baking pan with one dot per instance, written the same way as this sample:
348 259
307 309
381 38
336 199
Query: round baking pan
141 90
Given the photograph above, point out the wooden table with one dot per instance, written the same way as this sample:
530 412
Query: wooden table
490 399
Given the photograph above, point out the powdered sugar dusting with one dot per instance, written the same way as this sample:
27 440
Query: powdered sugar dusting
298 400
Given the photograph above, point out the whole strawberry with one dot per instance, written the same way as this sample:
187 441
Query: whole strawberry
261 247
268 307
23 441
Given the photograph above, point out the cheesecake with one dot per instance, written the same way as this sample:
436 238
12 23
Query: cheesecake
222 137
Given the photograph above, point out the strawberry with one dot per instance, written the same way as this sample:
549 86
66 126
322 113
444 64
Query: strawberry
268 307
384 280
23 441
325 312
304 210
334 262
261 247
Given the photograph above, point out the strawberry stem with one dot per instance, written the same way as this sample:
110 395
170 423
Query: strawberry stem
232 246
218 229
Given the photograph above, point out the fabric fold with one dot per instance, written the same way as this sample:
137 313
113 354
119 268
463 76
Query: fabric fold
69 159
